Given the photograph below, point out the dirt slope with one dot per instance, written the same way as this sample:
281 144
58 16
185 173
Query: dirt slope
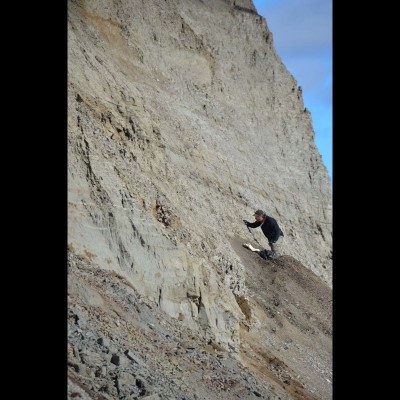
122 346
290 323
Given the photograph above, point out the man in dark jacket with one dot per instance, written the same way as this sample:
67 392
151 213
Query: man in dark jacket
272 232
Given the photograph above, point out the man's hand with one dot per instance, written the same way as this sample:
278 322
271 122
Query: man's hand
246 222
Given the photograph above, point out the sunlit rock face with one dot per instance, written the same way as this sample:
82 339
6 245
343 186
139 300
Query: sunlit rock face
182 120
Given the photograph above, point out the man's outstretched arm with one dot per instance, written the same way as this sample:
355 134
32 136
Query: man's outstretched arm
252 224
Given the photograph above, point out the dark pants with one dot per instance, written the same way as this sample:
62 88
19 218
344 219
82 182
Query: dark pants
277 246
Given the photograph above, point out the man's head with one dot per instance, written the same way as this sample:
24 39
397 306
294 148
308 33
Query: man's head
260 215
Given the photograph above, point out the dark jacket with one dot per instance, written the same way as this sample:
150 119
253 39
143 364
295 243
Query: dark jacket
269 227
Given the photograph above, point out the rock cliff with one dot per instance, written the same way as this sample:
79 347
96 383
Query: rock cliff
182 120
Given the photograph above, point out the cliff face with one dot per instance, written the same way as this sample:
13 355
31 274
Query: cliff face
182 120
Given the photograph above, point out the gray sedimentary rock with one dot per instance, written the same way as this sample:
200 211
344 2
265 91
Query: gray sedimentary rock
182 120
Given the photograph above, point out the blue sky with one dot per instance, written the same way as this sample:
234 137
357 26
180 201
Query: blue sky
302 32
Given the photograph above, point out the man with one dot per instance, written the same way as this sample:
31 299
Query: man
271 230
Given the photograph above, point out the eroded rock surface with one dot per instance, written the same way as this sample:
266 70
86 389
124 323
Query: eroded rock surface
182 120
